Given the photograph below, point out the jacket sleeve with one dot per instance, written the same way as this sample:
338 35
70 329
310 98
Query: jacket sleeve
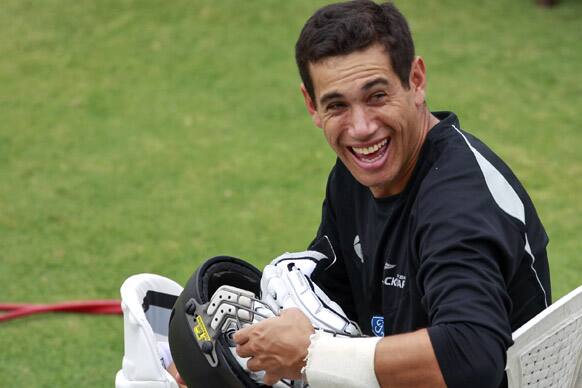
333 280
464 242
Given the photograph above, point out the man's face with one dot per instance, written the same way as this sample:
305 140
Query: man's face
374 124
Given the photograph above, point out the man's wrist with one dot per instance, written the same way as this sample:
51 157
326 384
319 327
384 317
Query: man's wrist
334 361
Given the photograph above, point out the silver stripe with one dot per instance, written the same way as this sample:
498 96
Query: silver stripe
332 251
533 259
502 192
505 197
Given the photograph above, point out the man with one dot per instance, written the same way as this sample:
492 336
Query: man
439 249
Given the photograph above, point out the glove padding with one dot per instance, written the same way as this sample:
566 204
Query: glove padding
286 282
232 308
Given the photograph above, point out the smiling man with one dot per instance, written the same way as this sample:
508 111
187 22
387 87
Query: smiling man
438 253
375 124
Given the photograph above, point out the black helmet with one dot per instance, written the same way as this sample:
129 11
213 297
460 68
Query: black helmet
201 354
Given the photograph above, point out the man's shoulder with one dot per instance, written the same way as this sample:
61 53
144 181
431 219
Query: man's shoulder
465 175
453 150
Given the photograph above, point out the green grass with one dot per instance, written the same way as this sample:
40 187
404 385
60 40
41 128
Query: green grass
146 136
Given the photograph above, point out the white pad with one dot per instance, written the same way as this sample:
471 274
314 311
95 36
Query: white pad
165 354
340 362
285 286
306 261
141 366
225 304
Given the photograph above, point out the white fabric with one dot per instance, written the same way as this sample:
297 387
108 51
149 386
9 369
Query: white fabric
334 362
547 350
165 354
502 192
306 261
284 286
141 366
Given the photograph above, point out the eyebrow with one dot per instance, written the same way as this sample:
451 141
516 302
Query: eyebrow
375 82
329 96
367 86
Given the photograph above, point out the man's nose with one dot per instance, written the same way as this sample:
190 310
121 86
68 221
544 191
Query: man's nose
362 125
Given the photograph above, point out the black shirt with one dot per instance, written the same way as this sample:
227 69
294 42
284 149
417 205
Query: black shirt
461 251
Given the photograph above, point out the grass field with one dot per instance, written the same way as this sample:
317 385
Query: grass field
146 136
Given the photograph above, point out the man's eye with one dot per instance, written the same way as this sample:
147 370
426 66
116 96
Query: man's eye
378 97
335 106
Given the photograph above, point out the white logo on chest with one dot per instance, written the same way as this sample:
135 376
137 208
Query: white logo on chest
358 248
398 281
388 266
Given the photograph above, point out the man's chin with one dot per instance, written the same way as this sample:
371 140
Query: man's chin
378 187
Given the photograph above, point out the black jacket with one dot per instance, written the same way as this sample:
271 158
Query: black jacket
461 251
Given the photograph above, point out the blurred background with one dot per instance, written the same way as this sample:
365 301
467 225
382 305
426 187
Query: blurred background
147 136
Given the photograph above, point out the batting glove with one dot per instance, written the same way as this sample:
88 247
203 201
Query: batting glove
286 282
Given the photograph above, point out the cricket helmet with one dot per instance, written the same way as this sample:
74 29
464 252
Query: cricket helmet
201 349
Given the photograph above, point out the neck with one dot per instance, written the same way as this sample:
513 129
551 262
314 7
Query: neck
426 123
431 121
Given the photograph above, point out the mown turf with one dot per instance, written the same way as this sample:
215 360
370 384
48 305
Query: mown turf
146 136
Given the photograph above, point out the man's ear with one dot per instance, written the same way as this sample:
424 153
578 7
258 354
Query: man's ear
417 80
310 105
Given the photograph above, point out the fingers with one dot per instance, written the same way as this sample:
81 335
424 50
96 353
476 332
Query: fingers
241 339
271 379
242 336
248 340
276 345
254 365
244 351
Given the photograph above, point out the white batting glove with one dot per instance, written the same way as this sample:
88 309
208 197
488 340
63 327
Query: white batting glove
286 283
306 261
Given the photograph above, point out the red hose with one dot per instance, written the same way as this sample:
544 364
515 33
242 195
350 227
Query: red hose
17 310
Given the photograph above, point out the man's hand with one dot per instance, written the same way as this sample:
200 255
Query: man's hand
277 345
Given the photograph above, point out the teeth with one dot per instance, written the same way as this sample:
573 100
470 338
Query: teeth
371 149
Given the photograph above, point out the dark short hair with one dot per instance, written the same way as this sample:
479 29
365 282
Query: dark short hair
343 28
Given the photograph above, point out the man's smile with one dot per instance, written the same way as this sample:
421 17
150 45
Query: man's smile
370 153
